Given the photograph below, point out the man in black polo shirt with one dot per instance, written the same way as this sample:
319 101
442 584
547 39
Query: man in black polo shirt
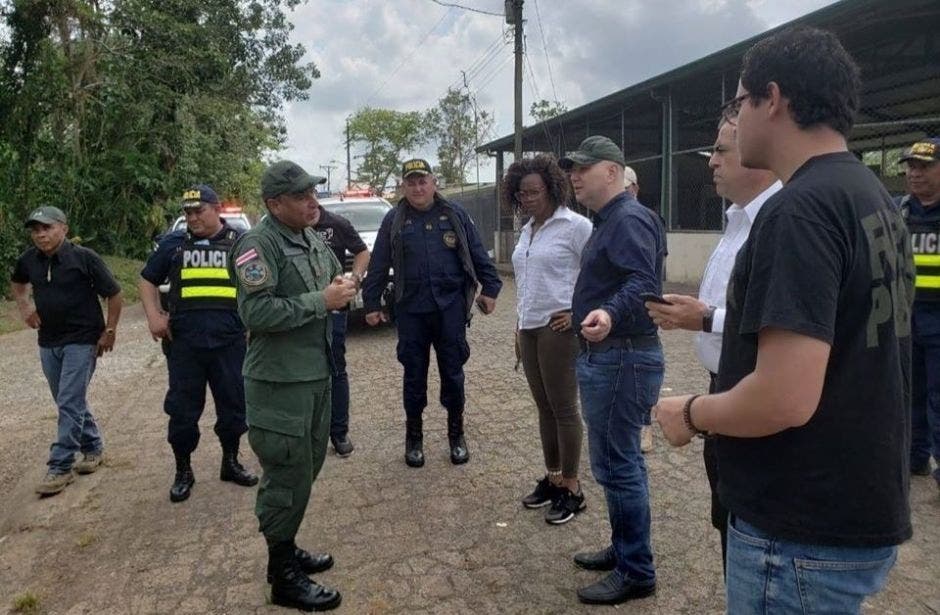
811 404
66 281
338 233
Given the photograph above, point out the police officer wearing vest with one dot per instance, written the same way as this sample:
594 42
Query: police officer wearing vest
921 208
204 339
288 283
439 261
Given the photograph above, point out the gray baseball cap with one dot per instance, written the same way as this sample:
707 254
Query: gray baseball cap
46 214
593 150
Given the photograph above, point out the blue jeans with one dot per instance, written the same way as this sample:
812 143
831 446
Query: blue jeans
339 419
771 576
925 385
68 370
618 387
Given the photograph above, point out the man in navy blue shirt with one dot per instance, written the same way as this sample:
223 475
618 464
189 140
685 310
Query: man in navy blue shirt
439 263
620 368
204 339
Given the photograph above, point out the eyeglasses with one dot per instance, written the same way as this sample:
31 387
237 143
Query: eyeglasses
732 108
527 194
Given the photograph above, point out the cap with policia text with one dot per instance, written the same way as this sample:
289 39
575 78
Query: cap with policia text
46 215
199 194
285 177
591 151
415 166
927 150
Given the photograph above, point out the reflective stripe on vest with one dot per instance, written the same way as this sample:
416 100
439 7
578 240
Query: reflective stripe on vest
213 273
192 292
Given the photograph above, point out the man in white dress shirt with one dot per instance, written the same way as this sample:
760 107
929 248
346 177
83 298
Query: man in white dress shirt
747 189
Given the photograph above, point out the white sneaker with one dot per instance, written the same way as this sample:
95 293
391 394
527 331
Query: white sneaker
646 439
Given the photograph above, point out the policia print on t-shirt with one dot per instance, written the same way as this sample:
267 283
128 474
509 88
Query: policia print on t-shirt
200 279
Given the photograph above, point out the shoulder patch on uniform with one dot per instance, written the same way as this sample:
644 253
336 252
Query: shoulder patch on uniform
254 273
247 256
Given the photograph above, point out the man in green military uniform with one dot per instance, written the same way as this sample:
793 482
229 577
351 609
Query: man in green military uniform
288 280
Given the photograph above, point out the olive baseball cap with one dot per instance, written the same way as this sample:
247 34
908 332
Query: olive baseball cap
46 215
284 177
927 150
593 150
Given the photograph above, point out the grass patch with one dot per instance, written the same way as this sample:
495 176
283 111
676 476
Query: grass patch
86 540
27 602
125 270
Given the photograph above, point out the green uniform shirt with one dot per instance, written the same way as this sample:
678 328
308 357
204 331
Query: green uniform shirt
280 277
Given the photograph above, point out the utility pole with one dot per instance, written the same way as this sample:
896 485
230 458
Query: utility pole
514 18
348 159
328 168
476 126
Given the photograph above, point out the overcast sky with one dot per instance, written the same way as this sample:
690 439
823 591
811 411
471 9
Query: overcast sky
404 55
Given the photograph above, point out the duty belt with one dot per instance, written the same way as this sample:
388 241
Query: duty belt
635 342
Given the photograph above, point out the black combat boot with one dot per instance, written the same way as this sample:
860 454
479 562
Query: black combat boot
414 440
183 483
458 445
310 563
232 471
292 588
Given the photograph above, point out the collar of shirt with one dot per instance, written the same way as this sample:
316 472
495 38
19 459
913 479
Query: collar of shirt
64 252
561 213
612 205
752 208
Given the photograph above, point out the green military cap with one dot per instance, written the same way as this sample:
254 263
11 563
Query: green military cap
593 150
284 177
47 215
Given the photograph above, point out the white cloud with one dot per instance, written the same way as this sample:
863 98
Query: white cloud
403 55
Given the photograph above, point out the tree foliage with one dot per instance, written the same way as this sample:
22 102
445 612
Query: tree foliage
545 110
459 127
109 109
384 137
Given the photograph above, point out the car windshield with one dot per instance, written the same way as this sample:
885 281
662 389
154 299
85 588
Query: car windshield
239 223
365 217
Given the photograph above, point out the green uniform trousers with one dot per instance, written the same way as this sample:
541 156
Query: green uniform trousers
288 429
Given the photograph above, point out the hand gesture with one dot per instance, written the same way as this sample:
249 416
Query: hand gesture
596 326
560 321
668 413
340 292
159 327
106 341
374 318
32 319
486 304
685 312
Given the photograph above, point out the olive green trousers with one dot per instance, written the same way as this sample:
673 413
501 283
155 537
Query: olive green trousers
288 429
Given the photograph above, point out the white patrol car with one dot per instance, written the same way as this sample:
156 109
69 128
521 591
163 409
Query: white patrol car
365 213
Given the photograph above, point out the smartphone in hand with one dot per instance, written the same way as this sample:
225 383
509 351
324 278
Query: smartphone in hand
653 298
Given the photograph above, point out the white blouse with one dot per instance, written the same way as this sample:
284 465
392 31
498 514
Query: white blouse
547 264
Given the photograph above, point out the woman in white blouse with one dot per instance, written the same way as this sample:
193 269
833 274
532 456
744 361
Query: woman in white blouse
546 262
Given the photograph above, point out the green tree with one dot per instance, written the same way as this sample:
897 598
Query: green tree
545 110
109 109
459 127
384 136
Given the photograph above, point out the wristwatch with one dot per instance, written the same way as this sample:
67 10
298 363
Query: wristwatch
708 318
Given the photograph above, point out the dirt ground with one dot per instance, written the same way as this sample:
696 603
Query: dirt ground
441 539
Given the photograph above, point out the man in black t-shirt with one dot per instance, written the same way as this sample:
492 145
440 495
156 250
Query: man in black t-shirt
338 233
66 281
813 385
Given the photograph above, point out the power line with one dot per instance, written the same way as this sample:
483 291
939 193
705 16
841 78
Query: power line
466 8
548 60
406 58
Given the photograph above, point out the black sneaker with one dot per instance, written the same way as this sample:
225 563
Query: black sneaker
565 507
342 446
543 494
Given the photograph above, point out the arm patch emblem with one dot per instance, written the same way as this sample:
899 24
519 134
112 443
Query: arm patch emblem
254 273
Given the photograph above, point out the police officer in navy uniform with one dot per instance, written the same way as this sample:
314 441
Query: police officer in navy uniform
339 234
439 262
921 208
204 339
